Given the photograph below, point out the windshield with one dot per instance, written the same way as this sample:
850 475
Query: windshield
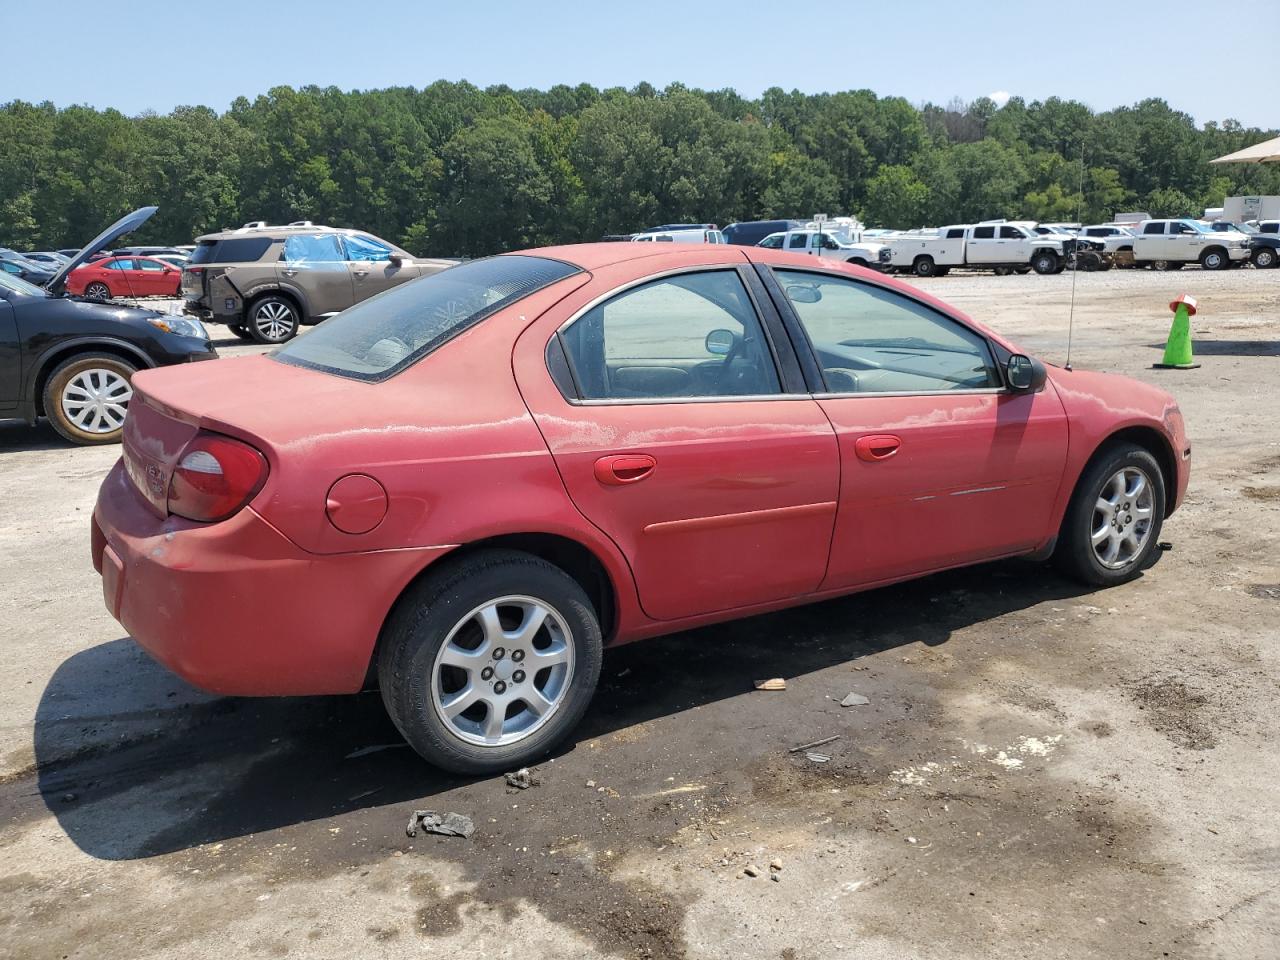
13 284
381 336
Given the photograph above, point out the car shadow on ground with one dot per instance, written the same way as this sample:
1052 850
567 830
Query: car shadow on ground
263 764
17 436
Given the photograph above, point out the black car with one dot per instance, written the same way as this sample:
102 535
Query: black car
16 265
749 233
1264 247
72 359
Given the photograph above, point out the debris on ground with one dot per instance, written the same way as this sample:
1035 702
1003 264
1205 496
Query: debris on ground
775 865
777 683
376 748
818 757
522 779
445 824
814 743
751 870
854 700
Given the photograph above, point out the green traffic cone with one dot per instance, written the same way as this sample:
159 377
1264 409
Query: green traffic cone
1177 351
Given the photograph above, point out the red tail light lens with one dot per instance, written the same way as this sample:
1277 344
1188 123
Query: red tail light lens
215 476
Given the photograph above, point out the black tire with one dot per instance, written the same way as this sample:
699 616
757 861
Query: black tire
56 385
1214 258
1046 262
241 331
924 267
420 625
1264 258
1164 265
1075 555
941 271
97 291
272 319
1002 271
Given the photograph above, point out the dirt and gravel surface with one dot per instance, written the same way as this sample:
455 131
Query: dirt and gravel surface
1041 771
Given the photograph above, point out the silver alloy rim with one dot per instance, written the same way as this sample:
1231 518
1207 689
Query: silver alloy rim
1122 518
1264 258
273 319
96 400
1213 260
98 291
503 671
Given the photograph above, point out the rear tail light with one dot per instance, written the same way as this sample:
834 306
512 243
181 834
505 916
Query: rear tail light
215 476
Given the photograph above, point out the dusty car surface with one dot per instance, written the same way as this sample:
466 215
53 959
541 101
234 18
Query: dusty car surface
468 486
265 282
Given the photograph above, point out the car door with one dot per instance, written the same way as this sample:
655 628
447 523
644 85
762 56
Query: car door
940 464
1150 243
372 268
316 266
10 356
1015 245
681 428
983 247
1182 242
154 278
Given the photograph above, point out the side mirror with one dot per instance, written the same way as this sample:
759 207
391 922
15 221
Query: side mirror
719 343
1024 374
396 259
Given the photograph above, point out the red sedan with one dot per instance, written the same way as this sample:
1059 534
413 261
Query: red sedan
472 484
124 277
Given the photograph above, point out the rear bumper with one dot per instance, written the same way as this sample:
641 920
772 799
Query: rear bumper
237 608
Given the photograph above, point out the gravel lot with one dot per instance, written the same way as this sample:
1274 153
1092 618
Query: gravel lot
1042 771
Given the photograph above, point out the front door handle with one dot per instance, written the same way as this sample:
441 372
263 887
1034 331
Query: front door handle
289 273
617 470
878 447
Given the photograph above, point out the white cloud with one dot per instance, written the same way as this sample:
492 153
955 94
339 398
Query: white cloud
1000 97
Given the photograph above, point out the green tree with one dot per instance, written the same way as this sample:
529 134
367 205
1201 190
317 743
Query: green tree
897 198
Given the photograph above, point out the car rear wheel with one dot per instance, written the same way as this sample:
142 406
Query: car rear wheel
87 396
1264 258
1113 522
1215 258
1166 265
924 267
488 664
97 291
273 320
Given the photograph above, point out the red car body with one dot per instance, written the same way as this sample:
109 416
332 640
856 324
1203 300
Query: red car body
126 277
745 506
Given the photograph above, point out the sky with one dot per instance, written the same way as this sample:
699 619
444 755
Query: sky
144 55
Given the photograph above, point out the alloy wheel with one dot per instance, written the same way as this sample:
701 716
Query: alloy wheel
98 291
96 400
273 319
503 671
1122 518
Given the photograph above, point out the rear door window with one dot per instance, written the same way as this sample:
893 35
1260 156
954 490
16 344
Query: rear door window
312 248
1153 228
798 241
689 335
984 233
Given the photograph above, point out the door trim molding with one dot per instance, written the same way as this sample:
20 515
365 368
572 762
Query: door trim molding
719 521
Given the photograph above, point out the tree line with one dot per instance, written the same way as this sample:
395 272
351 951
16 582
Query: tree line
456 170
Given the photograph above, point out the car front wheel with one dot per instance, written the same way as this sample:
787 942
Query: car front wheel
1214 259
87 396
1113 522
488 664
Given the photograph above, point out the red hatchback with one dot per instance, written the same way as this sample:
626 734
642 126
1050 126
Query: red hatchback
471 484
124 277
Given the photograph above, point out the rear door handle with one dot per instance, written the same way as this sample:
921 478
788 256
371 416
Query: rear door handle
877 447
620 469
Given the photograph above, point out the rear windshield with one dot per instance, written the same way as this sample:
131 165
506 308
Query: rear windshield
238 250
381 336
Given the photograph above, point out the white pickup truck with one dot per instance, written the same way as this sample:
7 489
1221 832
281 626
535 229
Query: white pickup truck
821 244
1002 247
1168 244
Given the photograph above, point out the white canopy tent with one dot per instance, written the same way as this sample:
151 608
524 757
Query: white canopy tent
1266 152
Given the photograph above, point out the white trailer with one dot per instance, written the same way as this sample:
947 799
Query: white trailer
1245 209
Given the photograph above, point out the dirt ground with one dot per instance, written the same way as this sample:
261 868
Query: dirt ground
1042 770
